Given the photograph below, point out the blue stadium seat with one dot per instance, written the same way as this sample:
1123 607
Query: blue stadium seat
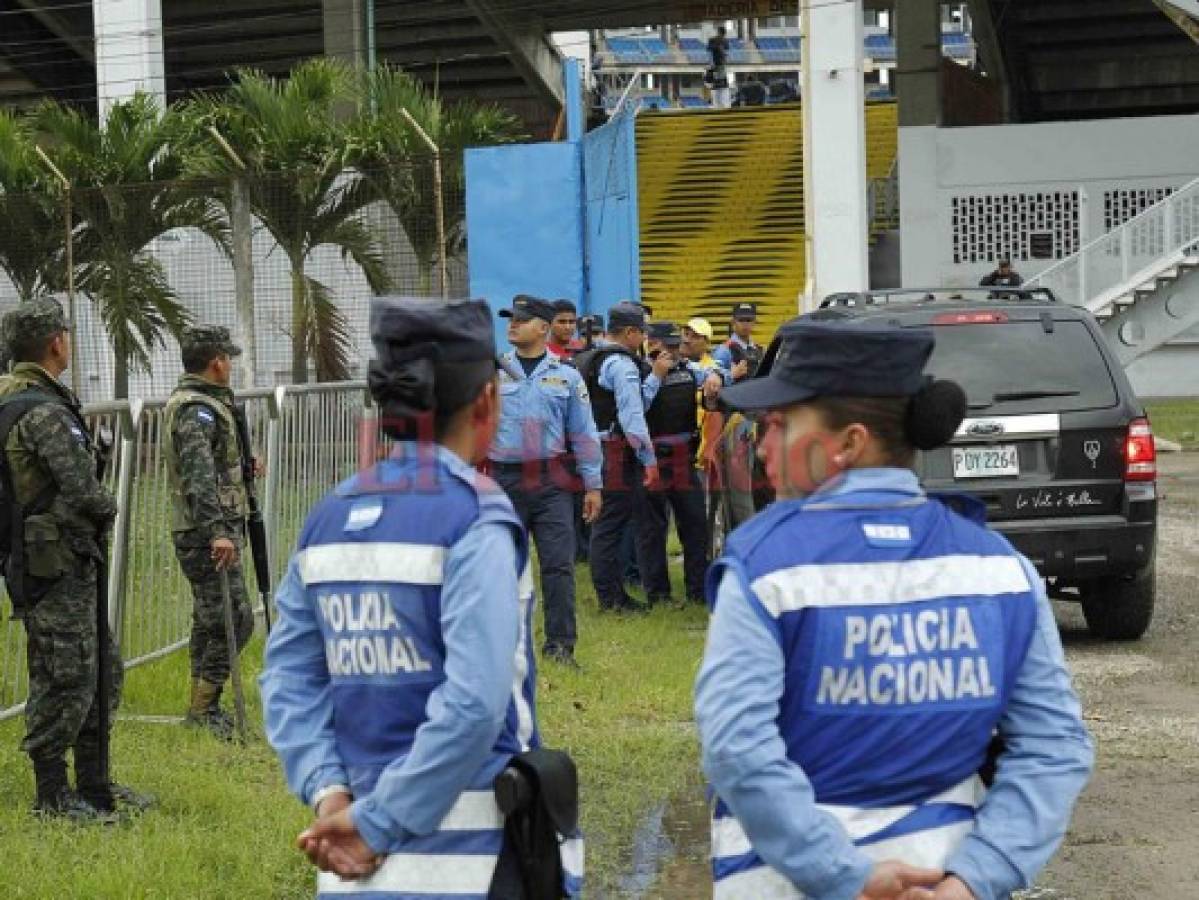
696 51
880 46
738 53
779 49
955 44
656 50
693 103
628 50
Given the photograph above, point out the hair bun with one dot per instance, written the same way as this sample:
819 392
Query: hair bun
935 413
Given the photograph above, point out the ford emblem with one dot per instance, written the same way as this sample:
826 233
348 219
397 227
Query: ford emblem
986 428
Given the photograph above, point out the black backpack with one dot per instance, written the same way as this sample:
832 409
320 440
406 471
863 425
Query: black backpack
12 519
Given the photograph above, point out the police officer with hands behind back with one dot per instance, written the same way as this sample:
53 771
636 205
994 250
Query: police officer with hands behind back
613 373
54 563
400 678
672 416
867 642
542 413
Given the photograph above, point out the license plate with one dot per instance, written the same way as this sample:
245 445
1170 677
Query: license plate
994 461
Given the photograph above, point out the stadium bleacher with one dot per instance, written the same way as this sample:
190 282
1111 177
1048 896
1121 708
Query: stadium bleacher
880 46
779 49
693 103
739 53
696 51
955 44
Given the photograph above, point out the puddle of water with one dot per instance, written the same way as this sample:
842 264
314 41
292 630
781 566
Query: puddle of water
670 851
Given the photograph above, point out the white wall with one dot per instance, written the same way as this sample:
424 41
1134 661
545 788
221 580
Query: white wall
1093 158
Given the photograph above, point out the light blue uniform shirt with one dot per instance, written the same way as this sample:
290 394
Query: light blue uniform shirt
620 375
480 629
542 413
1021 822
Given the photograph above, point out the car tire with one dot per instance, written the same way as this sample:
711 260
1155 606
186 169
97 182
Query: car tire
1120 608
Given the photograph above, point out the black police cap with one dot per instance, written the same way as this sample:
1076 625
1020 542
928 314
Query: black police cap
837 359
745 312
525 307
626 315
667 332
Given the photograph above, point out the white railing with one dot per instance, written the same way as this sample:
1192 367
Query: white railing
1115 264
310 437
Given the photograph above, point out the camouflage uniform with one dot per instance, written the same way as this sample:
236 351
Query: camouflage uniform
63 550
204 465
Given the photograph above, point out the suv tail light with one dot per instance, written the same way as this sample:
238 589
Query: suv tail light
1140 456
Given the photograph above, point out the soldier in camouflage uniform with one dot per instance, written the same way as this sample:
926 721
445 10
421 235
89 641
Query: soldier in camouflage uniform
205 466
51 460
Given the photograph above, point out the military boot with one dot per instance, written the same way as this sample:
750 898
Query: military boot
55 799
107 796
206 697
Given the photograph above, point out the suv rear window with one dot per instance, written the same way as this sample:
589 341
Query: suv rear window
992 360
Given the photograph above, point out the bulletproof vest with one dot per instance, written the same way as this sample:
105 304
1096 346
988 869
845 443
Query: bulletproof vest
226 453
603 401
675 406
30 476
752 356
903 628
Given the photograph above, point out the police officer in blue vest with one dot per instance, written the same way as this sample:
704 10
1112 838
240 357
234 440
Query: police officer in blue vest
399 680
546 412
867 642
615 376
673 419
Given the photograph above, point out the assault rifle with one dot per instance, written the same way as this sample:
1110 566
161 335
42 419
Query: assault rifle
255 527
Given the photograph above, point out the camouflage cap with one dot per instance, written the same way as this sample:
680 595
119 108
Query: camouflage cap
210 338
32 320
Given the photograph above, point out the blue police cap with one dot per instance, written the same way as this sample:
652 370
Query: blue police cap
837 359
626 315
745 312
525 307
667 332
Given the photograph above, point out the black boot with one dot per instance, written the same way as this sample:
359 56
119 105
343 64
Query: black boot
96 788
55 797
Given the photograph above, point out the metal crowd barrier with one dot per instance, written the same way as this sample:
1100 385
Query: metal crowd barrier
309 437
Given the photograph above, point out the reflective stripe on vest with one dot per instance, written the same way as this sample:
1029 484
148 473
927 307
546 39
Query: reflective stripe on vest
924 834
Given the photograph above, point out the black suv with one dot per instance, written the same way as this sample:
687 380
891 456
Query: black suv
1055 442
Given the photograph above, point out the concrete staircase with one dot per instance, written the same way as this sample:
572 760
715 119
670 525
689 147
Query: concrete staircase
1141 279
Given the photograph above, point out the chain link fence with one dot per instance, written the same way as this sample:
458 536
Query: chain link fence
310 437
288 265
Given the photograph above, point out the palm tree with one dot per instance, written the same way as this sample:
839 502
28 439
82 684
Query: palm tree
398 166
127 188
32 227
290 137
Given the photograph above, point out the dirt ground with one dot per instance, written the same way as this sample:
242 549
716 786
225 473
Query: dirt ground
1135 832
1136 828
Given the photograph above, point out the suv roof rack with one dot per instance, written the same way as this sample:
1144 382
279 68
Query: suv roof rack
939 295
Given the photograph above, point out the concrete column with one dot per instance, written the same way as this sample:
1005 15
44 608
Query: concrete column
344 24
834 129
129 59
918 68
918 86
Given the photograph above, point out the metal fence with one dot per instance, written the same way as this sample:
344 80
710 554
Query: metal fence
310 437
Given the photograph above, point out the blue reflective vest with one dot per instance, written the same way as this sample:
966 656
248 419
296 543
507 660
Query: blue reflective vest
903 629
378 605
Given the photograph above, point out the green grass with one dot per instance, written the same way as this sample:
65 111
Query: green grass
1176 420
225 824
